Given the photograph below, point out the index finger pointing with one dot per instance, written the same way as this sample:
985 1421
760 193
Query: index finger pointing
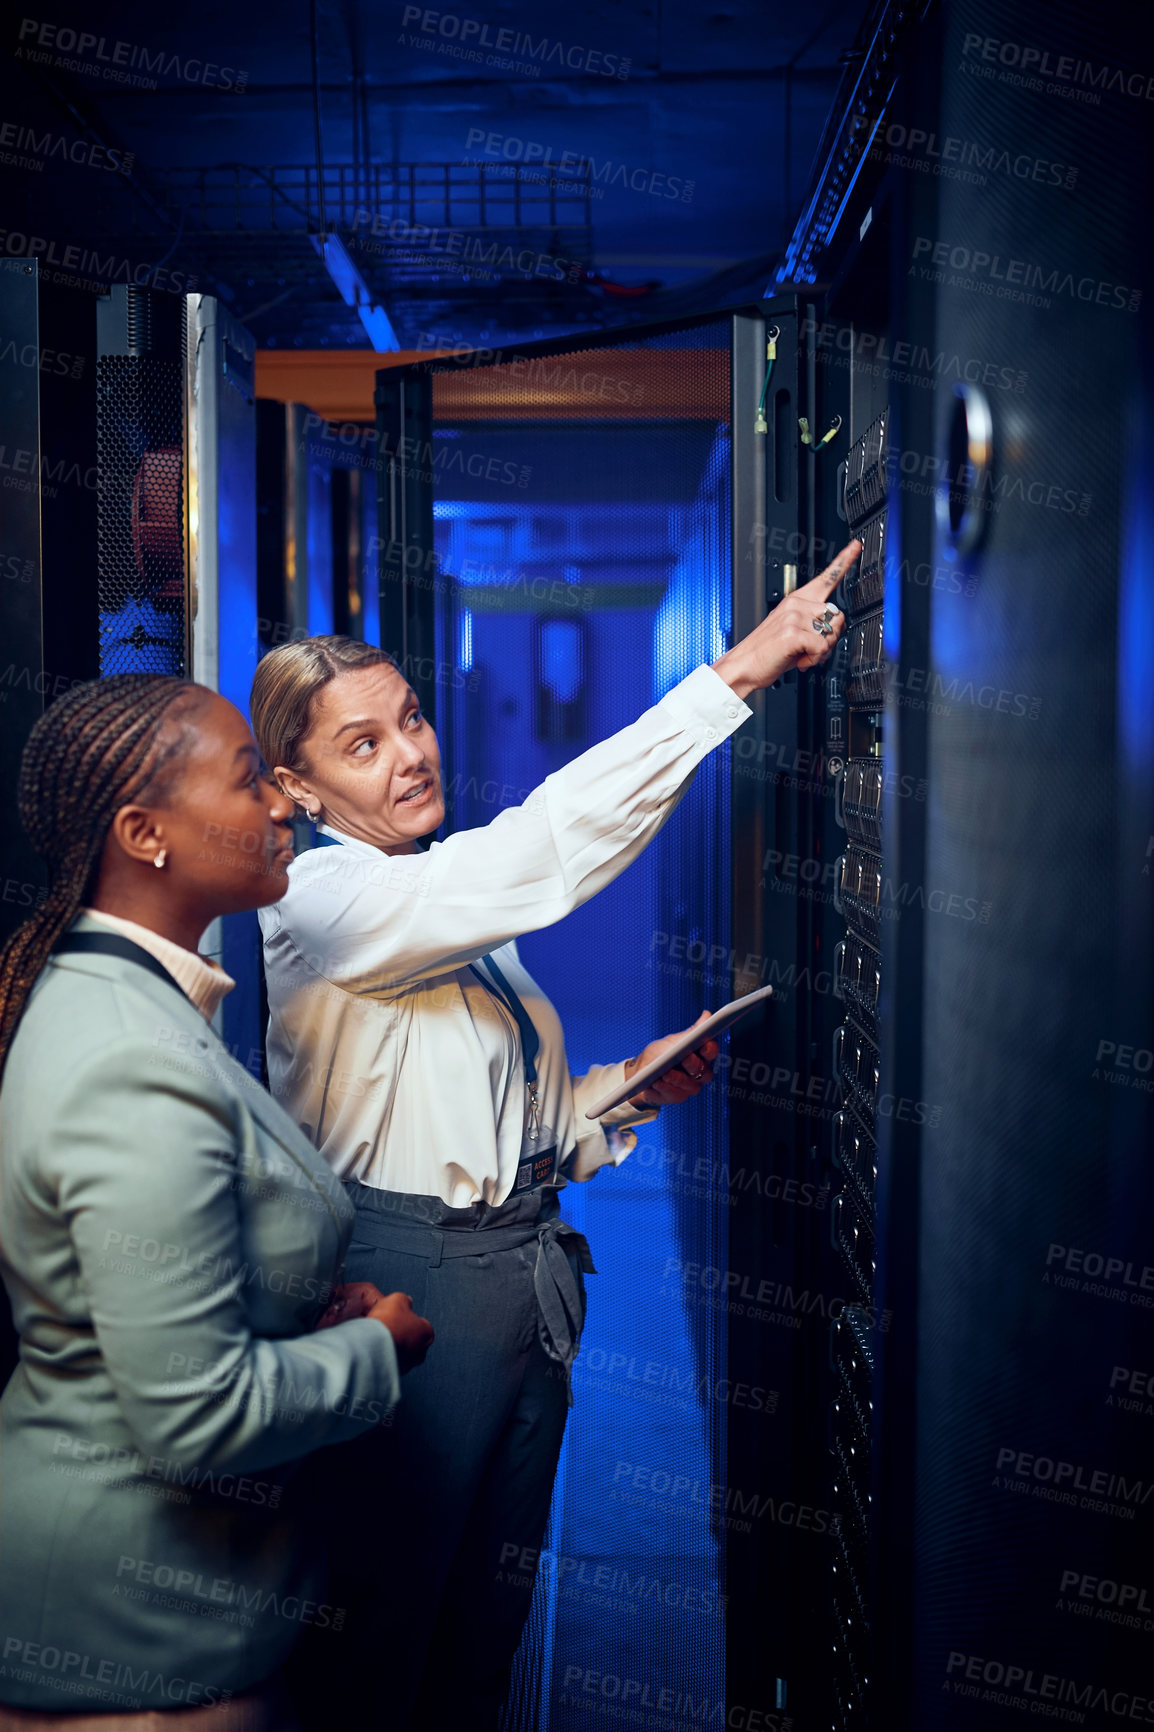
823 585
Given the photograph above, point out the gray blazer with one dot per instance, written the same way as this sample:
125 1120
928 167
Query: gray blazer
169 1239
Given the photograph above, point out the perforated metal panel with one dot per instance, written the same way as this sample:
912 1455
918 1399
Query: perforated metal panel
141 544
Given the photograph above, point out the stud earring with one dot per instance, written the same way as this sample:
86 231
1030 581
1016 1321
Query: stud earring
159 859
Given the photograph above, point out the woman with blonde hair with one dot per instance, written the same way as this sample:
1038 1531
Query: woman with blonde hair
415 1051
170 1247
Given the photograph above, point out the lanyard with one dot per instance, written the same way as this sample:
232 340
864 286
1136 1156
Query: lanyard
530 1040
539 1166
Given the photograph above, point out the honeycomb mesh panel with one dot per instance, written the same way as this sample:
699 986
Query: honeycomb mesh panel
141 558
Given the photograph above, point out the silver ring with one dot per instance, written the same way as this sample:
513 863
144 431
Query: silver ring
825 624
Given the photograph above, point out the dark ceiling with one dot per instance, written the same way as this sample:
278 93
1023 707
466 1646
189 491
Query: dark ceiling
505 170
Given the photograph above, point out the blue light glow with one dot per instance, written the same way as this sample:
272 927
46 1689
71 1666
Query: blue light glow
465 641
379 328
892 605
562 658
693 621
346 278
354 292
140 639
1136 602
370 580
319 568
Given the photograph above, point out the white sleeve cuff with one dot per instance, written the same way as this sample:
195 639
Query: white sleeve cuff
706 707
603 1142
600 1146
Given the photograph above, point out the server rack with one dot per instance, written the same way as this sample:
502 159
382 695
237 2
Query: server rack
812 891
785 780
967 304
806 917
857 1067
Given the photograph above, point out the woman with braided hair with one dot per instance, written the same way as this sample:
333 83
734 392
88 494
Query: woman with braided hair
170 1243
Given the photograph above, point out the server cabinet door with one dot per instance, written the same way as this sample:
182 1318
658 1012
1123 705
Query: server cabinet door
48 603
220 419
20 555
1014 1202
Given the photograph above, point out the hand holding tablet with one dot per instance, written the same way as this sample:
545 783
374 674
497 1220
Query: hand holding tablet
685 1043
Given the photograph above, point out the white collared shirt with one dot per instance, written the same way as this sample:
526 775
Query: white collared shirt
394 1059
203 981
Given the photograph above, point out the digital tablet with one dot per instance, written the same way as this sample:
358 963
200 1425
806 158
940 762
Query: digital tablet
688 1042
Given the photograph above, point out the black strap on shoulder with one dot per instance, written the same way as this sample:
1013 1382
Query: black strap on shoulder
114 944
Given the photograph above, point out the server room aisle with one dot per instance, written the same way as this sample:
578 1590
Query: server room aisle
629 1597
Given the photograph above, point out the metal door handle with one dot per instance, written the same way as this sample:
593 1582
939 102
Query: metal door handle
839 782
968 461
838 874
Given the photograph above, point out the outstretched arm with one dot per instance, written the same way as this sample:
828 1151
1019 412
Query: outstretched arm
372 923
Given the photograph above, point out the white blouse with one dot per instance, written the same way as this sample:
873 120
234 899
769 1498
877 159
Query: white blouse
399 1065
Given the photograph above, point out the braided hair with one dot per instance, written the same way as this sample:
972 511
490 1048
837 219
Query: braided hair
101 746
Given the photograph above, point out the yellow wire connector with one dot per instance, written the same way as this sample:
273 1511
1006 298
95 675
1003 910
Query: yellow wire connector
807 437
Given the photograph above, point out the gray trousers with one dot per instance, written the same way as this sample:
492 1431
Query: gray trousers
434 1521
